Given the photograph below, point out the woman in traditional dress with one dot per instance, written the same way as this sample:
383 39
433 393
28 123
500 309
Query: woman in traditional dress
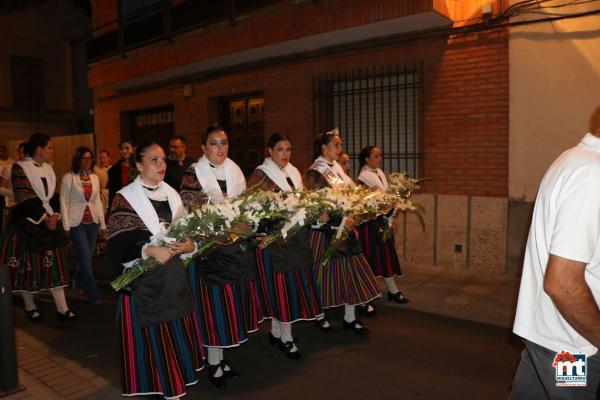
344 162
284 270
380 253
83 217
223 280
160 344
34 244
119 175
346 279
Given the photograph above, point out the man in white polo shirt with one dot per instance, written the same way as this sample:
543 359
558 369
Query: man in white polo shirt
557 313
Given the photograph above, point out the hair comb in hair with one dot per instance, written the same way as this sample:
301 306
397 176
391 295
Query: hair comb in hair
334 131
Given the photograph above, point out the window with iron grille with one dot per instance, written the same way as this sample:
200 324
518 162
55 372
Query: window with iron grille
376 107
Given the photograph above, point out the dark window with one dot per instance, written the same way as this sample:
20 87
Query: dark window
27 84
129 7
379 108
157 124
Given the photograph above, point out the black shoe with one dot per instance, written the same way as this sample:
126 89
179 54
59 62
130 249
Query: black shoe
320 324
397 298
228 374
216 381
357 329
273 340
67 316
364 309
33 315
287 347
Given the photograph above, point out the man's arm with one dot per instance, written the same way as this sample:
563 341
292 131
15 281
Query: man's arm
564 282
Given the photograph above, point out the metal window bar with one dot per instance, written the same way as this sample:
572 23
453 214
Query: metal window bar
380 107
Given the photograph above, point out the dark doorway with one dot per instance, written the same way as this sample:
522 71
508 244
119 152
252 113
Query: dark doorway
157 124
243 119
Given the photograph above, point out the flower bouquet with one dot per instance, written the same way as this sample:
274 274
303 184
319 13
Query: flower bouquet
363 204
209 225
286 212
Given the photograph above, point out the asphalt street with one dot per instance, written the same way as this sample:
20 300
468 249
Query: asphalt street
408 355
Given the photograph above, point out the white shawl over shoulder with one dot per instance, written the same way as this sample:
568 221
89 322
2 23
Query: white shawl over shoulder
276 174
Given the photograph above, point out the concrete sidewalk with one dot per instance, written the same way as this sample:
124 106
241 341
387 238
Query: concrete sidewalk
461 294
47 375
473 296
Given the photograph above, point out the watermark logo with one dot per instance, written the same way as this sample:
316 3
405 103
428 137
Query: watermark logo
571 369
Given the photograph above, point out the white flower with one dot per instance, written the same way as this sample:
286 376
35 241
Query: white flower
297 219
255 206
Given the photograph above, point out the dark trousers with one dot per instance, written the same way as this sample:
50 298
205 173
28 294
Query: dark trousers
535 378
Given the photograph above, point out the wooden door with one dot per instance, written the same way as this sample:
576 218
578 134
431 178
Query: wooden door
246 129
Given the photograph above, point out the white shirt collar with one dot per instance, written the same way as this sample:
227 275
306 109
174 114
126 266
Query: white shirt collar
219 171
155 192
591 141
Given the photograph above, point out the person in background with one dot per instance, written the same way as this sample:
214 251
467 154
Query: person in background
101 169
34 245
378 250
119 174
345 162
82 217
6 185
178 162
5 161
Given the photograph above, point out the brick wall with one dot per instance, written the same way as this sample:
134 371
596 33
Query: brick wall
293 20
105 13
465 120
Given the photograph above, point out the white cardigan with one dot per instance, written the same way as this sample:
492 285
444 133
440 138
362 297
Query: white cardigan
72 201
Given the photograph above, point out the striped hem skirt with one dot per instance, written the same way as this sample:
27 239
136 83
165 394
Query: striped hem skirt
344 279
381 255
226 312
158 359
33 271
287 296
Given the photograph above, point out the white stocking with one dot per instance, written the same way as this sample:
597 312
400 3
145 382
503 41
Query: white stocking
276 328
349 313
286 336
58 294
391 284
286 333
214 355
214 359
28 300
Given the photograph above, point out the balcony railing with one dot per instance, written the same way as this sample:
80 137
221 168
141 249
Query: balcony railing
162 22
